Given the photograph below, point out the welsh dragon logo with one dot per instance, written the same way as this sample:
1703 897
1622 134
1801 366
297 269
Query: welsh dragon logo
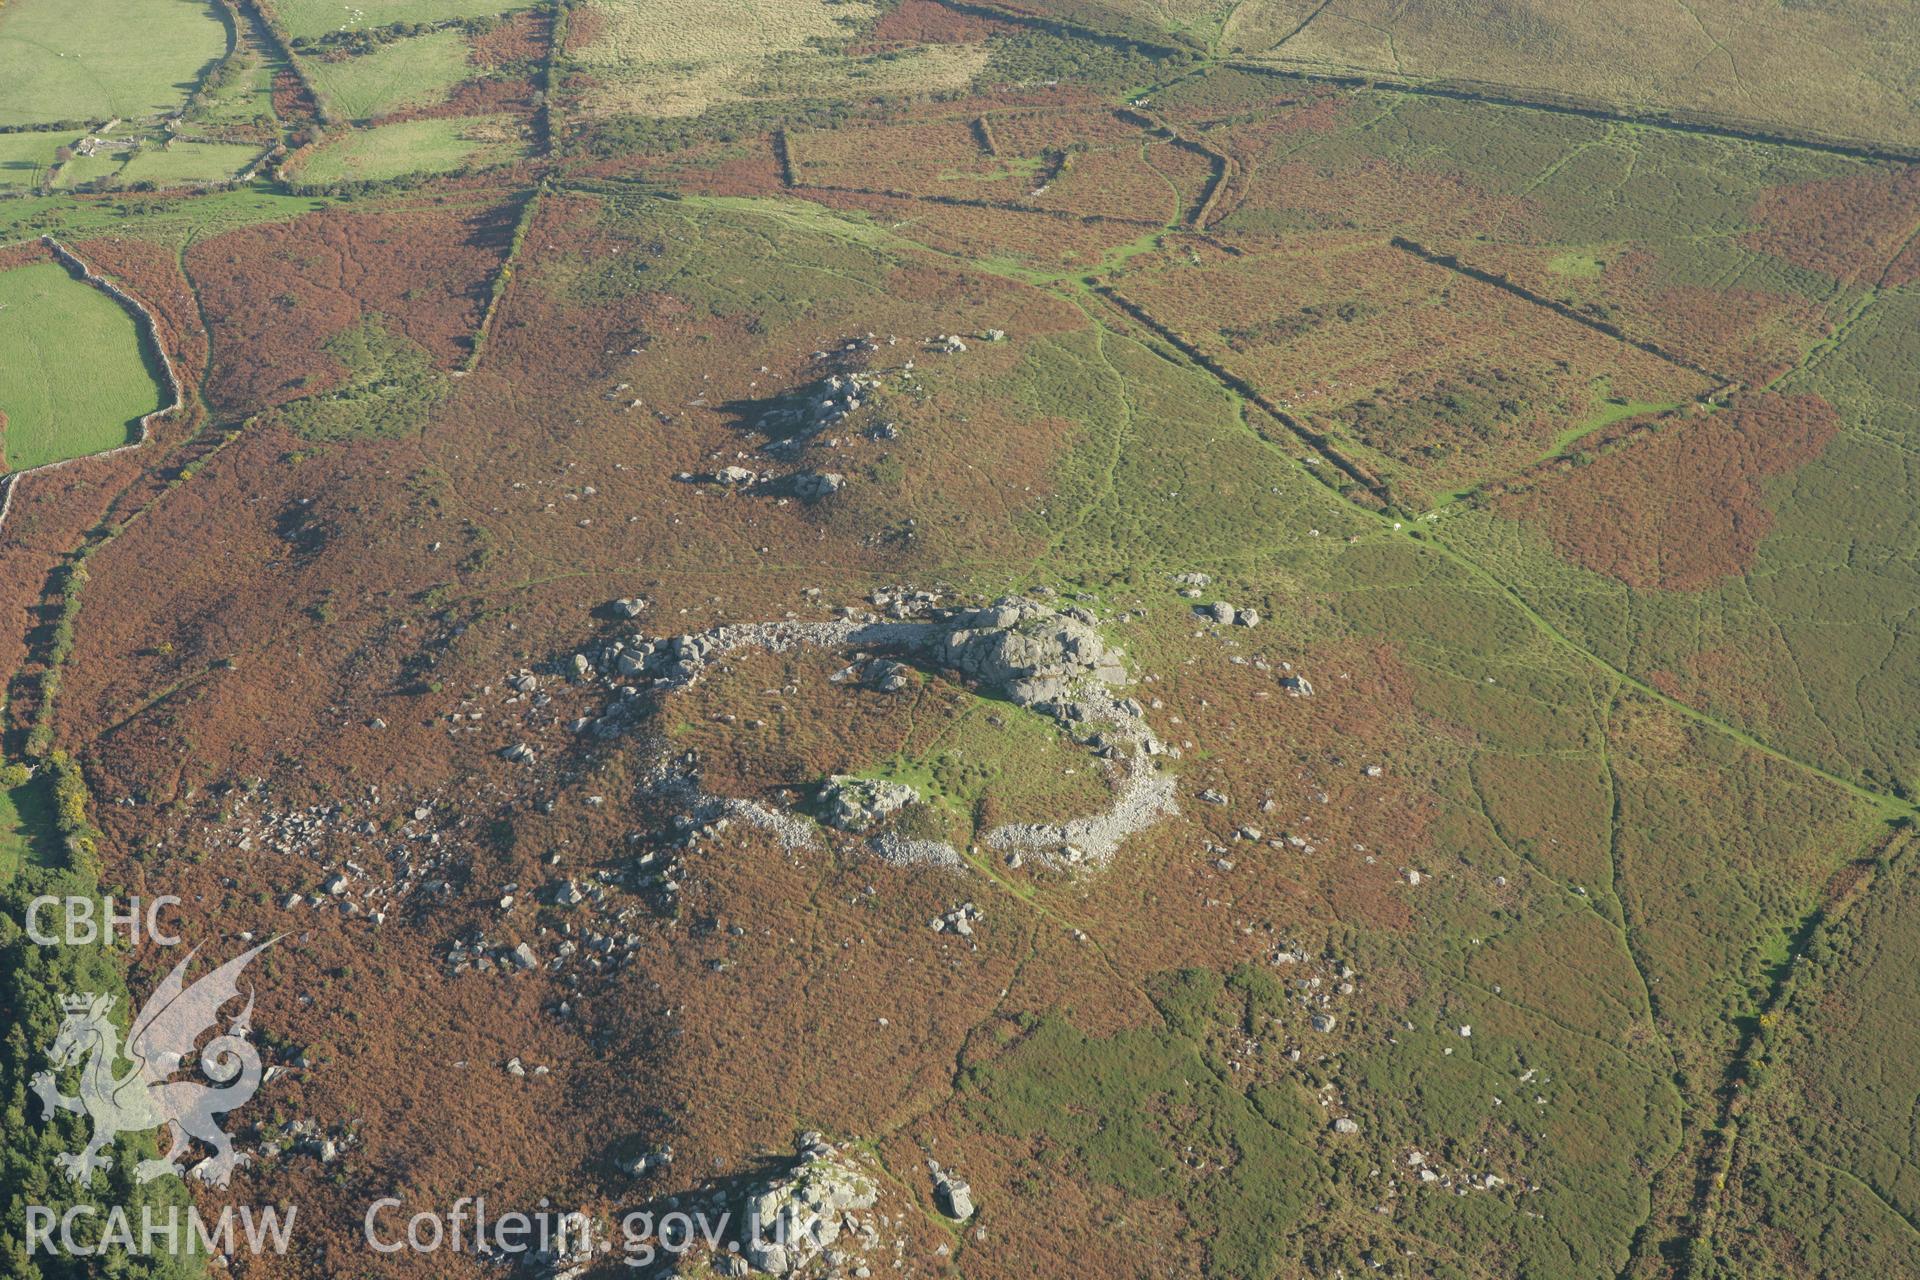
145 1096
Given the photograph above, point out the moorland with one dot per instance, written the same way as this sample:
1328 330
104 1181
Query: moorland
479 479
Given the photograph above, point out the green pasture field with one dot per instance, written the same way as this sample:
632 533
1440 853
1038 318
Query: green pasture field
27 216
1116 1111
404 73
1583 265
298 18
187 162
242 94
24 157
1814 655
76 380
103 58
413 146
101 164
665 57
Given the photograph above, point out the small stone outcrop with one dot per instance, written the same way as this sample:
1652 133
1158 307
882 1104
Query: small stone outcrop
855 804
952 1193
1028 651
811 486
794 1220
817 406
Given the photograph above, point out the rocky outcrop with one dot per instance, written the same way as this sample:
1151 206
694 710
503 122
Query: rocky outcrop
794 1220
960 920
1052 660
807 486
1227 615
1143 798
855 804
952 1193
1026 650
648 1162
817 406
1017 647
811 486
905 851
888 676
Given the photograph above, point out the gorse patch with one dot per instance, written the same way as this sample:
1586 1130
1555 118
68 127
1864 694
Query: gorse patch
1038 56
391 387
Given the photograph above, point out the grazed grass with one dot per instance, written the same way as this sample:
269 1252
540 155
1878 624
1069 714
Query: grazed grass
105 58
187 162
318 17
75 380
414 146
404 73
24 157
